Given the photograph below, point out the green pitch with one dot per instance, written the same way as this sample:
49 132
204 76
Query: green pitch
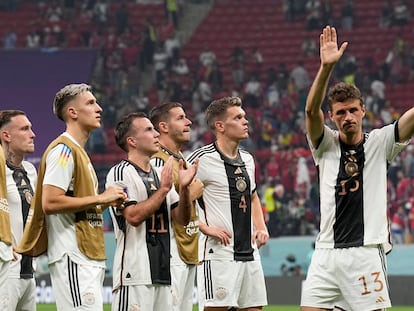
44 307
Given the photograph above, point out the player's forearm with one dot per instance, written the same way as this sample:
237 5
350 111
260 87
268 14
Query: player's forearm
257 213
65 204
318 90
183 211
136 214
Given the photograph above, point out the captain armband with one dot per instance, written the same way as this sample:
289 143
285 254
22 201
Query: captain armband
125 205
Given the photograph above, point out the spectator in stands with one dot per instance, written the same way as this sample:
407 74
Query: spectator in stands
399 224
309 47
215 78
160 66
326 13
358 163
148 41
401 14
207 58
386 17
121 18
9 39
69 9
205 93
347 15
289 10
410 205
172 44
282 78
33 39
313 14
237 63
272 95
253 92
172 7
300 77
54 12
100 13
180 67
256 60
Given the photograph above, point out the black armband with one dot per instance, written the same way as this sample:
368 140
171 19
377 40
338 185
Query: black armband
125 205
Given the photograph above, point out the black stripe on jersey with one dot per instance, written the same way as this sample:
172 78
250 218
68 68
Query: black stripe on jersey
119 170
200 152
123 298
349 199
383 263
158 162
119 177
74 283
208 281
241 206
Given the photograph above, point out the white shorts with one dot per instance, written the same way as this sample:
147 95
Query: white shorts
231 284
4 291
75 286
22 294
182 286
356 276
142 297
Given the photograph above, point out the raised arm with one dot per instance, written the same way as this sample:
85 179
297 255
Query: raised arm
330 55
406 125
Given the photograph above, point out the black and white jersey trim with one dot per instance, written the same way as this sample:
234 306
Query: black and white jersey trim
74 283
200 152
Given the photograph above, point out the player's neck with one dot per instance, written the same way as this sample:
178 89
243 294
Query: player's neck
171 146
140 160
80 135
352 140
13 160
228 147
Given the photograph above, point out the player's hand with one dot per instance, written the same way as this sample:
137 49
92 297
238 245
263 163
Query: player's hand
196 189
15 255
329 52
219 234
186 176
167 174
113 195
260 237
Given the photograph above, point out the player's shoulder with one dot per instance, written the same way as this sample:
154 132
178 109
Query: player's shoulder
120 167
28 166
201 152
157 161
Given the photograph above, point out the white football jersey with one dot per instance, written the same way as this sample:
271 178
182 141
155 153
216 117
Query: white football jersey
21 183
142 255
353 188
226 202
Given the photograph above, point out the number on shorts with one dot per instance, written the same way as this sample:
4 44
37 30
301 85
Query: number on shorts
377 281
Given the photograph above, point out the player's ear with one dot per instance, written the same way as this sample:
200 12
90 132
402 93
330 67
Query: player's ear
219 126
162 127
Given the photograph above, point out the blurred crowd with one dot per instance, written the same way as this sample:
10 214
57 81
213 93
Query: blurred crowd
141 63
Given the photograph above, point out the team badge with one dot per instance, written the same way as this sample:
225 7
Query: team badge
221 292
351 168
28 195
89 298
241 184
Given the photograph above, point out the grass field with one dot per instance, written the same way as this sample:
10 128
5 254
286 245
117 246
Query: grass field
268 308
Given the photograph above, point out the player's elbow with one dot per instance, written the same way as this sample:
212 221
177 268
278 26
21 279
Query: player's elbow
134 220
48 209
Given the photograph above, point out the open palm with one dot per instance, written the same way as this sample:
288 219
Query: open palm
330 54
